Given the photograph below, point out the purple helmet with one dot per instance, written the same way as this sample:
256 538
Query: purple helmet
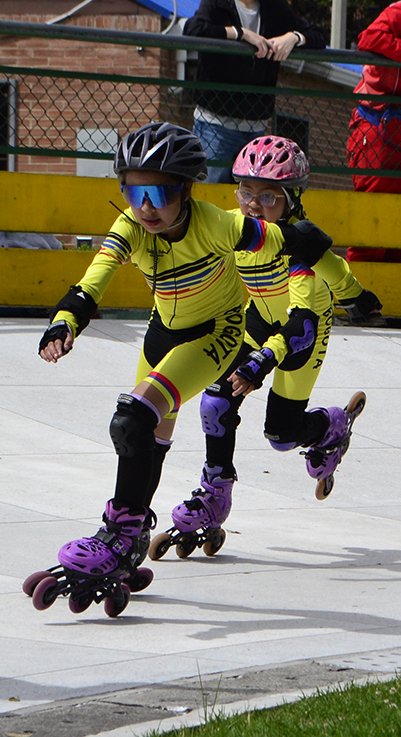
274 159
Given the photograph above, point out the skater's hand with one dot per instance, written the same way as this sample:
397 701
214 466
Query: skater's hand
254 369
240 385
56 341
364 308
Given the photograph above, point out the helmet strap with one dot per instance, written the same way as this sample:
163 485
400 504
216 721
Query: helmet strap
289 200
183 214
293 197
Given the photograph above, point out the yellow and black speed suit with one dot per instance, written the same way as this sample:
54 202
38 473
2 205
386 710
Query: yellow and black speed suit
268 280
197 324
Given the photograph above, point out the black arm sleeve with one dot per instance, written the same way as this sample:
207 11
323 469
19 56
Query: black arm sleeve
305 241
284 17
210 20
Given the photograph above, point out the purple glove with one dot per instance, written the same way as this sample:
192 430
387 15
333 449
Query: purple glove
257 366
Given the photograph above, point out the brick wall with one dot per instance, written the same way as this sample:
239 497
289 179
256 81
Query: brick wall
88 104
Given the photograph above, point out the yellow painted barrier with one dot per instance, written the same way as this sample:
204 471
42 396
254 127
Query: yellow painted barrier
41 278
80 205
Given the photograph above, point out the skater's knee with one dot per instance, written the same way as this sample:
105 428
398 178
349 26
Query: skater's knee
280 438
279 444
132 425
284 423
219 413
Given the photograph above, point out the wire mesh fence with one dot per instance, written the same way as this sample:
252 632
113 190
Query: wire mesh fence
64 115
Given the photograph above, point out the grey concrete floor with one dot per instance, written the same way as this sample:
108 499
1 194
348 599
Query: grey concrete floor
301 589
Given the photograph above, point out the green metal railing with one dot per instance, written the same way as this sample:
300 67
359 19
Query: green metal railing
42 111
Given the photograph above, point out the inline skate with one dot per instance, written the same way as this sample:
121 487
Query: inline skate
104 567
197 521
323 458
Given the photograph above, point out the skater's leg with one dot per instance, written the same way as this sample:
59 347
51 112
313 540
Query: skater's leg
132 432
161 448
154 403
288 425
125 537
210 504
220 419
323 430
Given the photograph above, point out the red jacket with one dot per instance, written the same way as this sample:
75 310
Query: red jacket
383 36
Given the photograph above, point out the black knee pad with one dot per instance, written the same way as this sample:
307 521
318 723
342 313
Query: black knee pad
300 332
132 426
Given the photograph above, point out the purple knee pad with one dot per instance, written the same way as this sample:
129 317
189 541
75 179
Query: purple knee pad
212 409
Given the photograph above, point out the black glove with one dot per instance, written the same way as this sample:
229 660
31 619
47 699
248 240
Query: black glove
305 241
257 366
362 308
58 331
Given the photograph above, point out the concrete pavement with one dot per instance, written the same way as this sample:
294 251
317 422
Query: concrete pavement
311 587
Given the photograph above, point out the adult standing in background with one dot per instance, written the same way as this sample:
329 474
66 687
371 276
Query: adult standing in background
375 126
226 121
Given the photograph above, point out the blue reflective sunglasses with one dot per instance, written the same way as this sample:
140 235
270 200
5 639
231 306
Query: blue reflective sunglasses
159 195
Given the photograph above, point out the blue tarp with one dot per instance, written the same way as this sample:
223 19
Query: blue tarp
351 67
185 8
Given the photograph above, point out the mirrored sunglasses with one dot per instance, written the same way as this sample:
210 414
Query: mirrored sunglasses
159 195
266 199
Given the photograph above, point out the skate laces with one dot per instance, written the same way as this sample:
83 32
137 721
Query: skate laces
317 456
150 520
120 537
195 503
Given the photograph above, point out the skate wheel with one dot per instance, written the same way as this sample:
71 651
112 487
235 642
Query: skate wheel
114 605
356 404
80 604
324 487
159 546
32 581
140 579
186 546
45 593
216 541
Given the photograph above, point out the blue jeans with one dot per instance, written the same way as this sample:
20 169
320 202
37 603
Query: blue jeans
222 143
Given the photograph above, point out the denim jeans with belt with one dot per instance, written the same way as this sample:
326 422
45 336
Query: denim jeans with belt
222 143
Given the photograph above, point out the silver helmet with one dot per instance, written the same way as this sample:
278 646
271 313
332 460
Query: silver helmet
162 147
